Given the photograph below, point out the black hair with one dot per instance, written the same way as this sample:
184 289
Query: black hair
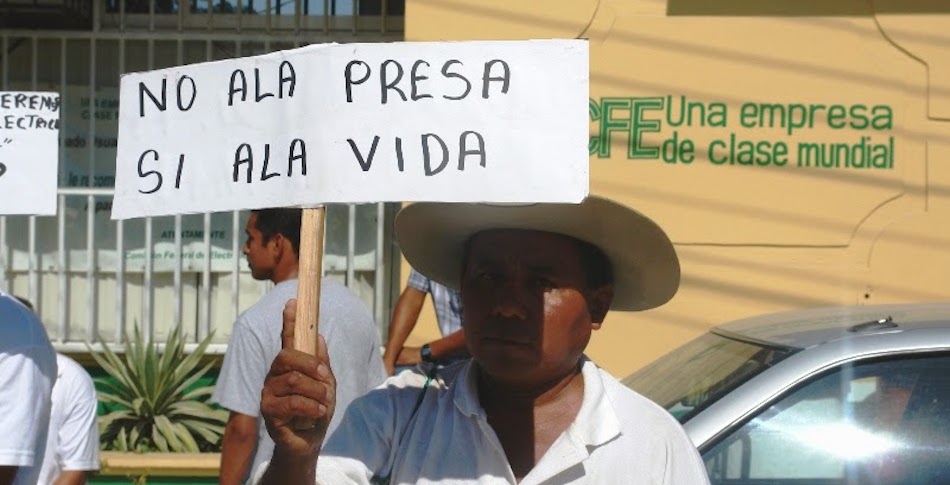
596 265
283 221
25 302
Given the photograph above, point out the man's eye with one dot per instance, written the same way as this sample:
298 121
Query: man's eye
545 282
488 276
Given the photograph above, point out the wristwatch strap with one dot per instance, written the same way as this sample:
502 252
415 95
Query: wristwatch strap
426 353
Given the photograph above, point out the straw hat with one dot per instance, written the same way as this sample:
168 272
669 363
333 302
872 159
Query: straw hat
432 236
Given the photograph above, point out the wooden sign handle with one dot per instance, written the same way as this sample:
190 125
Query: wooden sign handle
309 272
310 269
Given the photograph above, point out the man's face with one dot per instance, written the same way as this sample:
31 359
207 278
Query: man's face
261 256
527 307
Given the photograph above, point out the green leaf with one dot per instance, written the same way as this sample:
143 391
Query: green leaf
174 353
109 398
167 430
134 436
151 377
192 408
184 435
138 407
188 365
194 378
135 360
209 432
115 388
169 355
108 419
122 443
113 365
199 392
133 348
158 439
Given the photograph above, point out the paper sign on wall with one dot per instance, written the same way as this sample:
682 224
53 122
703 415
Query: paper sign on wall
29 152
500 121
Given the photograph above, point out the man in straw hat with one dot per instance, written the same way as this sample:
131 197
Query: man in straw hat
529 407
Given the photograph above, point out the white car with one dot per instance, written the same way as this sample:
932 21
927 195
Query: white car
845 396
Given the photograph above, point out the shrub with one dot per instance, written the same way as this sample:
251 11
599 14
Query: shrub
154 407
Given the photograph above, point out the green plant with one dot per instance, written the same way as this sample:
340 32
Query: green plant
154 407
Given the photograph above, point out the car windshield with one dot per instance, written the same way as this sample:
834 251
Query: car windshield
697 374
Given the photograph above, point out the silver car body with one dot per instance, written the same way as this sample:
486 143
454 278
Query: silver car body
826 337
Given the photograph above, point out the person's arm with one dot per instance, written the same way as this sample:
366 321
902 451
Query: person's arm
71 477
237 448
78 433
405 316
7 474
238 390
298 387
444 347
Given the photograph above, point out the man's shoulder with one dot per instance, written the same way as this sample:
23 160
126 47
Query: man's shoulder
68 367
279 294
71 373
339 304
635 411
331 289
650 432
269 306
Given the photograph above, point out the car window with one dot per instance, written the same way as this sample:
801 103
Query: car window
697 374
885 422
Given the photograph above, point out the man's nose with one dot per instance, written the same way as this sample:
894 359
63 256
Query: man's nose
510 301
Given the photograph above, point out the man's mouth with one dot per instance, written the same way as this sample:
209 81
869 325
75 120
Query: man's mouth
508 341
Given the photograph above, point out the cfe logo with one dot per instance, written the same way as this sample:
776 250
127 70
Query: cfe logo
625 119
678 130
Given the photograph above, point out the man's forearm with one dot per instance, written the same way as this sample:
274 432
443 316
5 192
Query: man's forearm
236 462
7 474
71 477
237 450
447 346
405 315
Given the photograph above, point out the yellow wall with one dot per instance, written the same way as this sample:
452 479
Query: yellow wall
756 238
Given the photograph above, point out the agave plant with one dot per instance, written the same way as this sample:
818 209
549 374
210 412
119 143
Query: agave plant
155 409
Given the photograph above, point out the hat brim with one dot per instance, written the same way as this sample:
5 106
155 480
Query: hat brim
432 237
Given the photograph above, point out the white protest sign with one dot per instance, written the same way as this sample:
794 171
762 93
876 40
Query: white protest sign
499 121
29 152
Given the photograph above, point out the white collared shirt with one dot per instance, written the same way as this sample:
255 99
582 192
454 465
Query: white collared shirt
618 437
72 443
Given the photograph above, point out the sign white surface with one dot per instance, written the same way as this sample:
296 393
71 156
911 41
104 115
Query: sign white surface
498 121
29 152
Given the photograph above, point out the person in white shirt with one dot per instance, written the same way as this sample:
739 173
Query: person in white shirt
273 241
27 373
72 444
529 408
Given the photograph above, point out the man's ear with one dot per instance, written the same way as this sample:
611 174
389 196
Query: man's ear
280 244
598 302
